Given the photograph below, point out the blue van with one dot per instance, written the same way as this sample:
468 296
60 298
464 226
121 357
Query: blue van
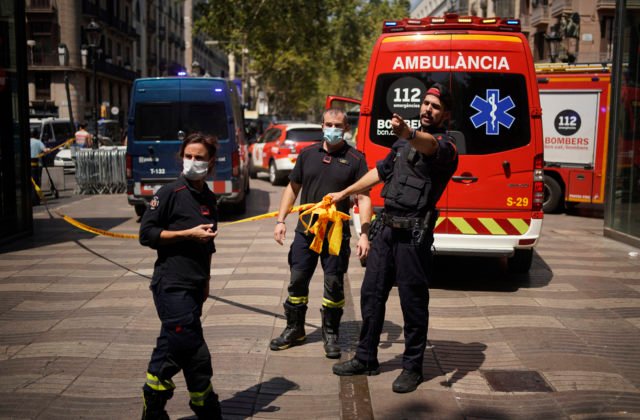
163 112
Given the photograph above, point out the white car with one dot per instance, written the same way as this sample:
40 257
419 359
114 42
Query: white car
65 160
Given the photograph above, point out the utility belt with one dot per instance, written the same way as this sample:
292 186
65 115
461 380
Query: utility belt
419 226
401 222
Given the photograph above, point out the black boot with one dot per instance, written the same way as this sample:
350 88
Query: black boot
331 331
154 402
210 410
294 333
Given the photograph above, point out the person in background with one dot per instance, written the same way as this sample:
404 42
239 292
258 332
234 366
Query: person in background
181 224
37 149
415 174
83 138
319 169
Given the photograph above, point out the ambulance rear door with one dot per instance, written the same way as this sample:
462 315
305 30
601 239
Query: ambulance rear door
491 193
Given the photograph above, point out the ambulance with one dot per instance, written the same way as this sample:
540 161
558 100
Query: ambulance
493 205
575 102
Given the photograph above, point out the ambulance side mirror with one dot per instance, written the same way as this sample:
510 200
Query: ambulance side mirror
459 140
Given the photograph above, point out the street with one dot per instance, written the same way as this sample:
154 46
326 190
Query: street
77 326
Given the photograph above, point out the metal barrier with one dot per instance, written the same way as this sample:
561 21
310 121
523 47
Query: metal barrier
101 171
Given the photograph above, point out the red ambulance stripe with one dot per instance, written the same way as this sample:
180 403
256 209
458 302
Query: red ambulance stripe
507 226
478 226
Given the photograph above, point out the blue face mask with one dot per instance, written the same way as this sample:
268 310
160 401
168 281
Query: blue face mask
333 135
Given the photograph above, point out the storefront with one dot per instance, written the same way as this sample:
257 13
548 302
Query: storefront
15 204
622 212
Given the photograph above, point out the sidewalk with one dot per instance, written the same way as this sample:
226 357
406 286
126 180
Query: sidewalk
77 326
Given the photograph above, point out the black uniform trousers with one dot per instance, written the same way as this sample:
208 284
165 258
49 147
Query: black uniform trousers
303 262
395 258
181 344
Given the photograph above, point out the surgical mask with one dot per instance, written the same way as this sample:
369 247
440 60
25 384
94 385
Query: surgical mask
332 135
194 170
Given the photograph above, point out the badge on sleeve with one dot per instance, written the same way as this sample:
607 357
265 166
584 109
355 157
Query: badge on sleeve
155 202
204 210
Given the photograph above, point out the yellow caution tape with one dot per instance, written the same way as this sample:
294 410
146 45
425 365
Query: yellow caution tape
53 149
268 215
38 190
96 231
326 212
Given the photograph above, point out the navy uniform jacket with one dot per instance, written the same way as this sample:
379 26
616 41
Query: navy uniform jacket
178 206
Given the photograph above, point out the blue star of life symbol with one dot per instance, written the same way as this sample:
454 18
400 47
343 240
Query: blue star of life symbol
492 112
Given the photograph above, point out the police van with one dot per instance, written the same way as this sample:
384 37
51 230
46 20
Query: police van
493 204
163 112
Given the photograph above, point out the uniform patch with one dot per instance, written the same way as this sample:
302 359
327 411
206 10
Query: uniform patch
326 159
204 210
344 161
155 202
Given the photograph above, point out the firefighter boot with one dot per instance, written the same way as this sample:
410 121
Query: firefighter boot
331 331
210 408
154 402
294 333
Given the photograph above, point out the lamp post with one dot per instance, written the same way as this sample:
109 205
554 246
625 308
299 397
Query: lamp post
62 58
93 31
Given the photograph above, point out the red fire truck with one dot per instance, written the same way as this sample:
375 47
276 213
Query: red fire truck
575 102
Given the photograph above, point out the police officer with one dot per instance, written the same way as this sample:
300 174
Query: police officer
415 173
181 224
320 169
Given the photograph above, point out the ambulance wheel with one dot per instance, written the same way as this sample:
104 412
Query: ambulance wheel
275 176
140 209
552 195
521 260
253 173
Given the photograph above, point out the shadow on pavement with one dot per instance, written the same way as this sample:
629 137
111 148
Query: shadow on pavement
257 203
257 399
487 274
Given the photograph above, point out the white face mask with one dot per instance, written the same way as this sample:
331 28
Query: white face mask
194 170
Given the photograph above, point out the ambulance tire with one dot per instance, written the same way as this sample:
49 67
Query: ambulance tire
253 173
552 195
275 176
520 262
140 209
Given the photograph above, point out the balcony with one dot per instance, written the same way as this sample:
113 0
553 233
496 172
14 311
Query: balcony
43 59
41 6
558 7
115 70
540 16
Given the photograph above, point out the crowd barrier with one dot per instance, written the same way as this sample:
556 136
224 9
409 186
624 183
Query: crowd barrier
101 171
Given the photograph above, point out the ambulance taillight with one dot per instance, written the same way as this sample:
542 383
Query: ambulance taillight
129 166
538 187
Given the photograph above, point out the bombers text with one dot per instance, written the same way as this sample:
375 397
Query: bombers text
444 62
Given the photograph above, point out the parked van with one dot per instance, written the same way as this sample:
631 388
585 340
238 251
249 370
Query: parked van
163 112
493 204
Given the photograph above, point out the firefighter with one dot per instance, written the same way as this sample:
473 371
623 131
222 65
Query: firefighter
181 224
415 174
328 166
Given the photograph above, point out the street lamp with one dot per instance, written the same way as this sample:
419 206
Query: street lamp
93 31
63 55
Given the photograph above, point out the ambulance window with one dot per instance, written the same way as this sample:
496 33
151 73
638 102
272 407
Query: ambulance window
156 121
206 117
400 93
491 110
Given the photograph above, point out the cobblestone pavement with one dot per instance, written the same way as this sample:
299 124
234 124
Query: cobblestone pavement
77 326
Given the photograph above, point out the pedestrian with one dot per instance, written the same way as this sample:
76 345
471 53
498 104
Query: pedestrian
415 173
37 149
83 138
328 166
181 224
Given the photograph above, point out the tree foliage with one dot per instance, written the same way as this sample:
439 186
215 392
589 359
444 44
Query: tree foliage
301 50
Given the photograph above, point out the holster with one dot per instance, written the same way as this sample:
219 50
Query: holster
374 228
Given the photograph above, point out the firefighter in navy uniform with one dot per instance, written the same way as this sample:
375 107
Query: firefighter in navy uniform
320 169
415 174
181 224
